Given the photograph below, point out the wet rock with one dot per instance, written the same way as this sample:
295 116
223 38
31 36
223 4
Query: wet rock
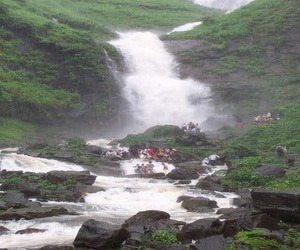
100 235
30 230
199 204
32 213
265 221
83 177
282 205
200 229
145 217
216 242
271 170
4 230
14 200
234 213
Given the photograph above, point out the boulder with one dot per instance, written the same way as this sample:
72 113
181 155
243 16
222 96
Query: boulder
212 182
32 213
234 213
282 205
199 204
271 170
215 242
83 177
14 200
183 174
100 235
30 230
200 229
265 221
145 217
4 230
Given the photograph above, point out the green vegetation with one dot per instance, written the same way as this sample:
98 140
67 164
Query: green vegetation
257 147
14 132
256 239
43 184
54 52
76 145
166 236
259 239
167 132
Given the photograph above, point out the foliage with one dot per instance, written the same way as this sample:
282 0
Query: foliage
76 144
13 132
260 143
166 236
289 181
45 185
256 240
294 237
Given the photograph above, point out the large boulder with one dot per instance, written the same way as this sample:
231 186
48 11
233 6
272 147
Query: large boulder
187 171
83 177
200 229
199 204
32 213
100 235
144 217
271 170
282 205
215 242
212 182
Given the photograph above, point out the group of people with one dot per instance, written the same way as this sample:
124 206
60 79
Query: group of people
148 168
151 153
118 153
191 127
265 118
290 157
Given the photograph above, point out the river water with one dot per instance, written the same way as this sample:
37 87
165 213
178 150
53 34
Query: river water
123 197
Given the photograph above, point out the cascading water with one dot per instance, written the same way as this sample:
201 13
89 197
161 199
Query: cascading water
223 4
123 197
156 94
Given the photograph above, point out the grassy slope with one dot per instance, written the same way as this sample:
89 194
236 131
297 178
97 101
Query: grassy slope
257 37
248 32
48 48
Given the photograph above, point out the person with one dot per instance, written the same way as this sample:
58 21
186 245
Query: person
165 167
291 157
277 117
138 169
150 168
205 161
280 150
213 159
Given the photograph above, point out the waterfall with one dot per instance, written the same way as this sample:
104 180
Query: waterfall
155 92
223 4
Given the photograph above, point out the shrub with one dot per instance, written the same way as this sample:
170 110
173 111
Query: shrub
166 236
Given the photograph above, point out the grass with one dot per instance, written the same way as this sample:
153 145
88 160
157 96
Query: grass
50 48
14 132
257 147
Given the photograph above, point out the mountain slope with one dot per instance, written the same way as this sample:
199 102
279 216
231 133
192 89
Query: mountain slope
54 56
251 56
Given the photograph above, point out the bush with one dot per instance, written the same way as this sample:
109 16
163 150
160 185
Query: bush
166 236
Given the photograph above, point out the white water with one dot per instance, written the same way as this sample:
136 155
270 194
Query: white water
156 94
223 4
123 198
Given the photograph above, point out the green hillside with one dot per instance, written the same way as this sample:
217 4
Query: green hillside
53 54
255 69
